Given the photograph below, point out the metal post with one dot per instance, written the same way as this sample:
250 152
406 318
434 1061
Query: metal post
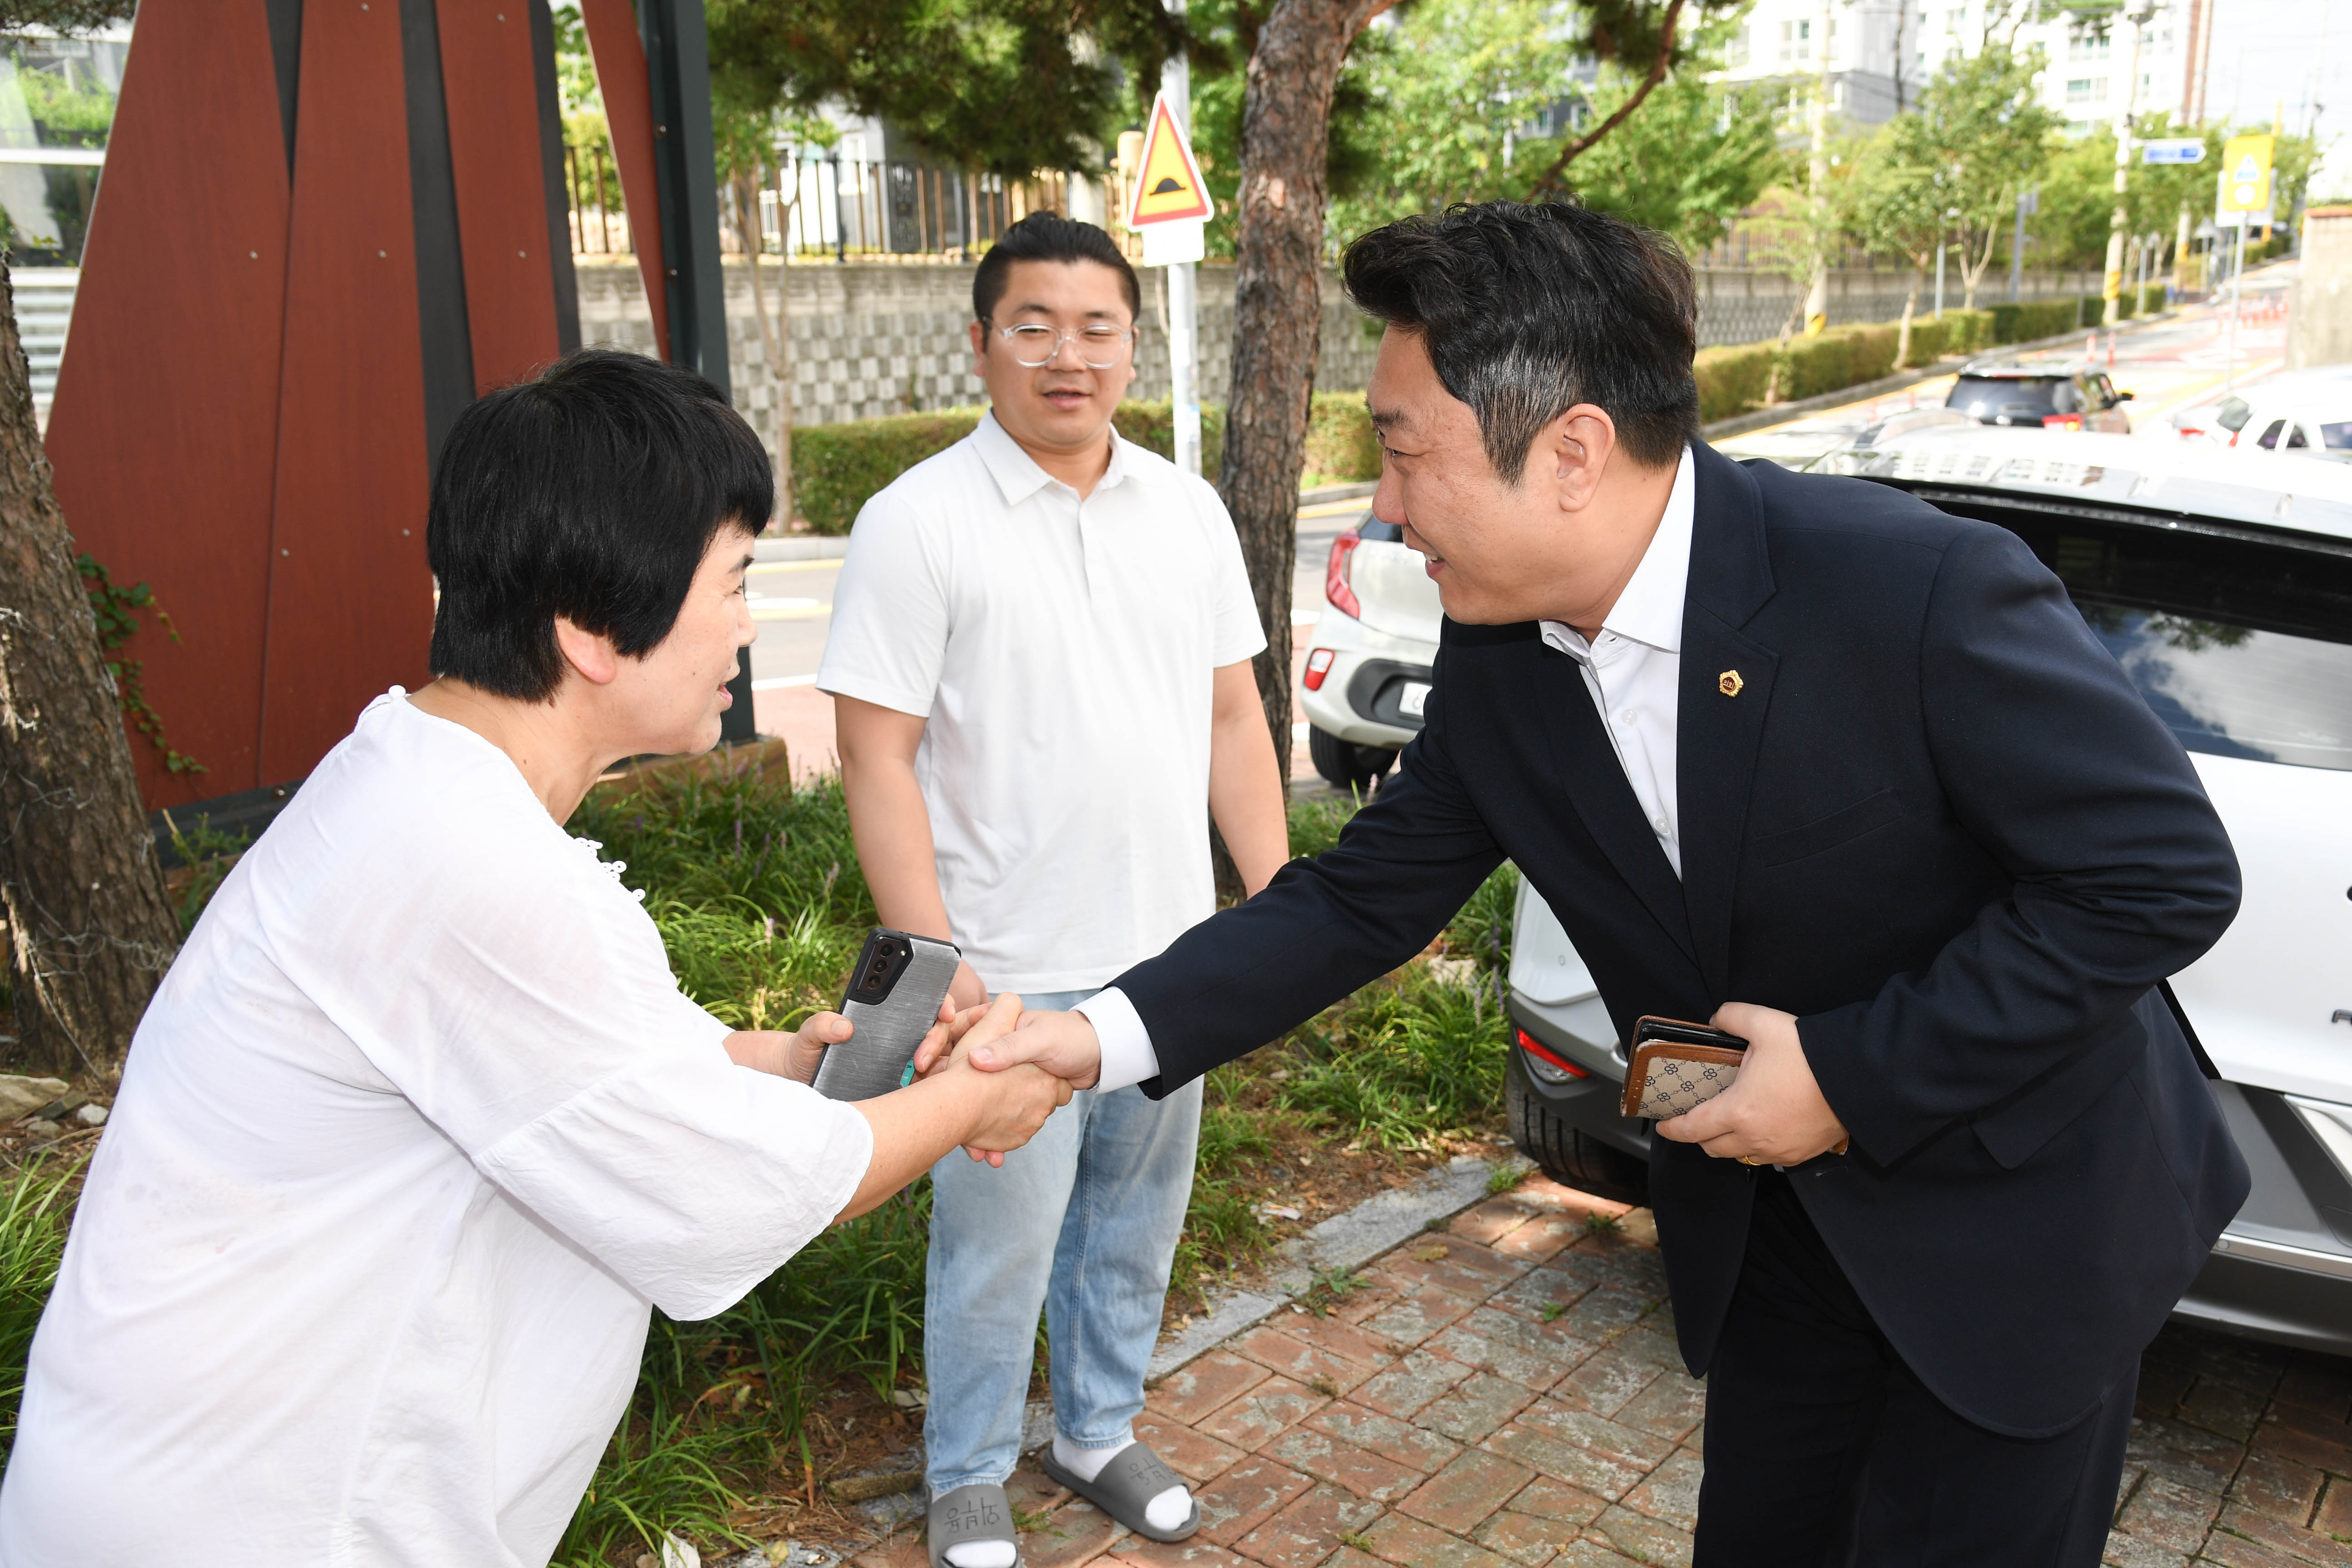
2017 250
2237 298
2139 11
1939 274
1183 302
1817 290
685 168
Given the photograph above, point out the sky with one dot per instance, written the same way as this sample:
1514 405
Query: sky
2298 50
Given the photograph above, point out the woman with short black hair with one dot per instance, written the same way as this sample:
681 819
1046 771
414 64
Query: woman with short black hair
419 1126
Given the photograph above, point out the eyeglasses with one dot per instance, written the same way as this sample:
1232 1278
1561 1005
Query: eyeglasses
1035 344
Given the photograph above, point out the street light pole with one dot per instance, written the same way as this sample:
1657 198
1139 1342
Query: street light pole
1817 292
2132 19
1183 301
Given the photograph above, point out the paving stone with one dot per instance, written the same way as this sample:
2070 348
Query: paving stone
1545 1288
1653 1342
1565 1505
1349 1557
1193 1553
1407 1444
2222 1407
1640 1537
1307 1531
2184 1454
1362 1472
2235 1552
1245 1497
1412 1317
1408 1541
1541 1240
1342 1338
1475 1407
1671 1491
1489 1222
1452 1262
1275 1406
1191 1455
1311 1364
1074 1533
1602 1437
1529 1352
1673 1406
1200 1388
1522 1537
1603 1314
2277 1489
2311 1422
1415 1379
1589 1554
1033 1491
2285 1442
1605 1384
1564 1460
2130 1552
2321 1386
2335 1515
2168 1514
2311 1545
1460 1496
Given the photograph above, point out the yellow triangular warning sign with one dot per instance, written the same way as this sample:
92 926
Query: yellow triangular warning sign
1167 184
2247 168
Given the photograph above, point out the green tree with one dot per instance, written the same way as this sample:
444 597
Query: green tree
1696 156
90 929
1002 87
1898 205
1981 127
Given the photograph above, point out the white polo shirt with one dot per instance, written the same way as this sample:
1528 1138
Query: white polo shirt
1061 652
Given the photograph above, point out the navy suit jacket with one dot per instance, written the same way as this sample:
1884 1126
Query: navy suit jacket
1936 823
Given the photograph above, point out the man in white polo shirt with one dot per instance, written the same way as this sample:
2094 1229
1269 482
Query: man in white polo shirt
1040 666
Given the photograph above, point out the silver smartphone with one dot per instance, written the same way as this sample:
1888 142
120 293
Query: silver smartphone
894 998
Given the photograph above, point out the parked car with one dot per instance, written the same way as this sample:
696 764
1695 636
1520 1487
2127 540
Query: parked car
2077 396
1368 663
2223 420
2222 583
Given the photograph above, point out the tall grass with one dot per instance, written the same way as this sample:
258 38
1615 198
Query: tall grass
35 1208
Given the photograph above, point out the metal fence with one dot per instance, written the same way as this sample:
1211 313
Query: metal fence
838 206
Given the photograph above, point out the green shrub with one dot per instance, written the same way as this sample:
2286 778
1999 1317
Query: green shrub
1403 1061
1341 446
836 468
1732 379
1151 422
2030 319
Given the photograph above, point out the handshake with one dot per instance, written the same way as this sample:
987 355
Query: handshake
993 1072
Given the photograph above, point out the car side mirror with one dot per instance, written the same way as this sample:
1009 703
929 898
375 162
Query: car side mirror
2125 397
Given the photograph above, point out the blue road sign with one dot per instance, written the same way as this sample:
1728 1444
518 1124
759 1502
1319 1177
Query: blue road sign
2173 149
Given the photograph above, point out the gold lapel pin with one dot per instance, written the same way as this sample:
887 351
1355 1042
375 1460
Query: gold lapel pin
1729 683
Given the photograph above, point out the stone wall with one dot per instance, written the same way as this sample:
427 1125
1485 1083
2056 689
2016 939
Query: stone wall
873 338
888 337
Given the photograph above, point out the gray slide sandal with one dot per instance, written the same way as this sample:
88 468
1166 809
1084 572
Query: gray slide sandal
1133 1477
970 1513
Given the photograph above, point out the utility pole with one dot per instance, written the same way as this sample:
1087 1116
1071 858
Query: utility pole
1817 294
2134 19
2028 201
1184 299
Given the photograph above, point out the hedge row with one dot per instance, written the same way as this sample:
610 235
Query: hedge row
1734 380
836 468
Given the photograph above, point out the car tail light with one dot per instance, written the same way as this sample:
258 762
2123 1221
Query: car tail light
1319 665
1543 1053
1335 576
2061 422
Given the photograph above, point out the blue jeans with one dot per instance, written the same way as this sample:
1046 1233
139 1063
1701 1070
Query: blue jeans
1081 1221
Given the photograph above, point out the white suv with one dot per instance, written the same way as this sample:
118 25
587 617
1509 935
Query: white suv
2222 583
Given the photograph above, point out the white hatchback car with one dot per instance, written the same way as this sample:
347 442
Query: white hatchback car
1368 663
2222 583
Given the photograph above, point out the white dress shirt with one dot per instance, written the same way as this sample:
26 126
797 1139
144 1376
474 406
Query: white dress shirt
1631 671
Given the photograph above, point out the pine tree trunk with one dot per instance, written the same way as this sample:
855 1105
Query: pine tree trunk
1278 309
91 931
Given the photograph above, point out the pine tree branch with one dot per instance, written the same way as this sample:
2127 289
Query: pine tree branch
1550 184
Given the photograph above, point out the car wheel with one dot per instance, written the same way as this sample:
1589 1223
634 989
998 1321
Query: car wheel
1567 1155
1344 764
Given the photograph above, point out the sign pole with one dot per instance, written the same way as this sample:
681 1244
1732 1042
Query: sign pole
1183 301
2237 298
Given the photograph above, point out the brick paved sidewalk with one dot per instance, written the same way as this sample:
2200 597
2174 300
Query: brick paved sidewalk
1508 1392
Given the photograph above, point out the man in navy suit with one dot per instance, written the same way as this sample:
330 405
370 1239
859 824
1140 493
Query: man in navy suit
1850 777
